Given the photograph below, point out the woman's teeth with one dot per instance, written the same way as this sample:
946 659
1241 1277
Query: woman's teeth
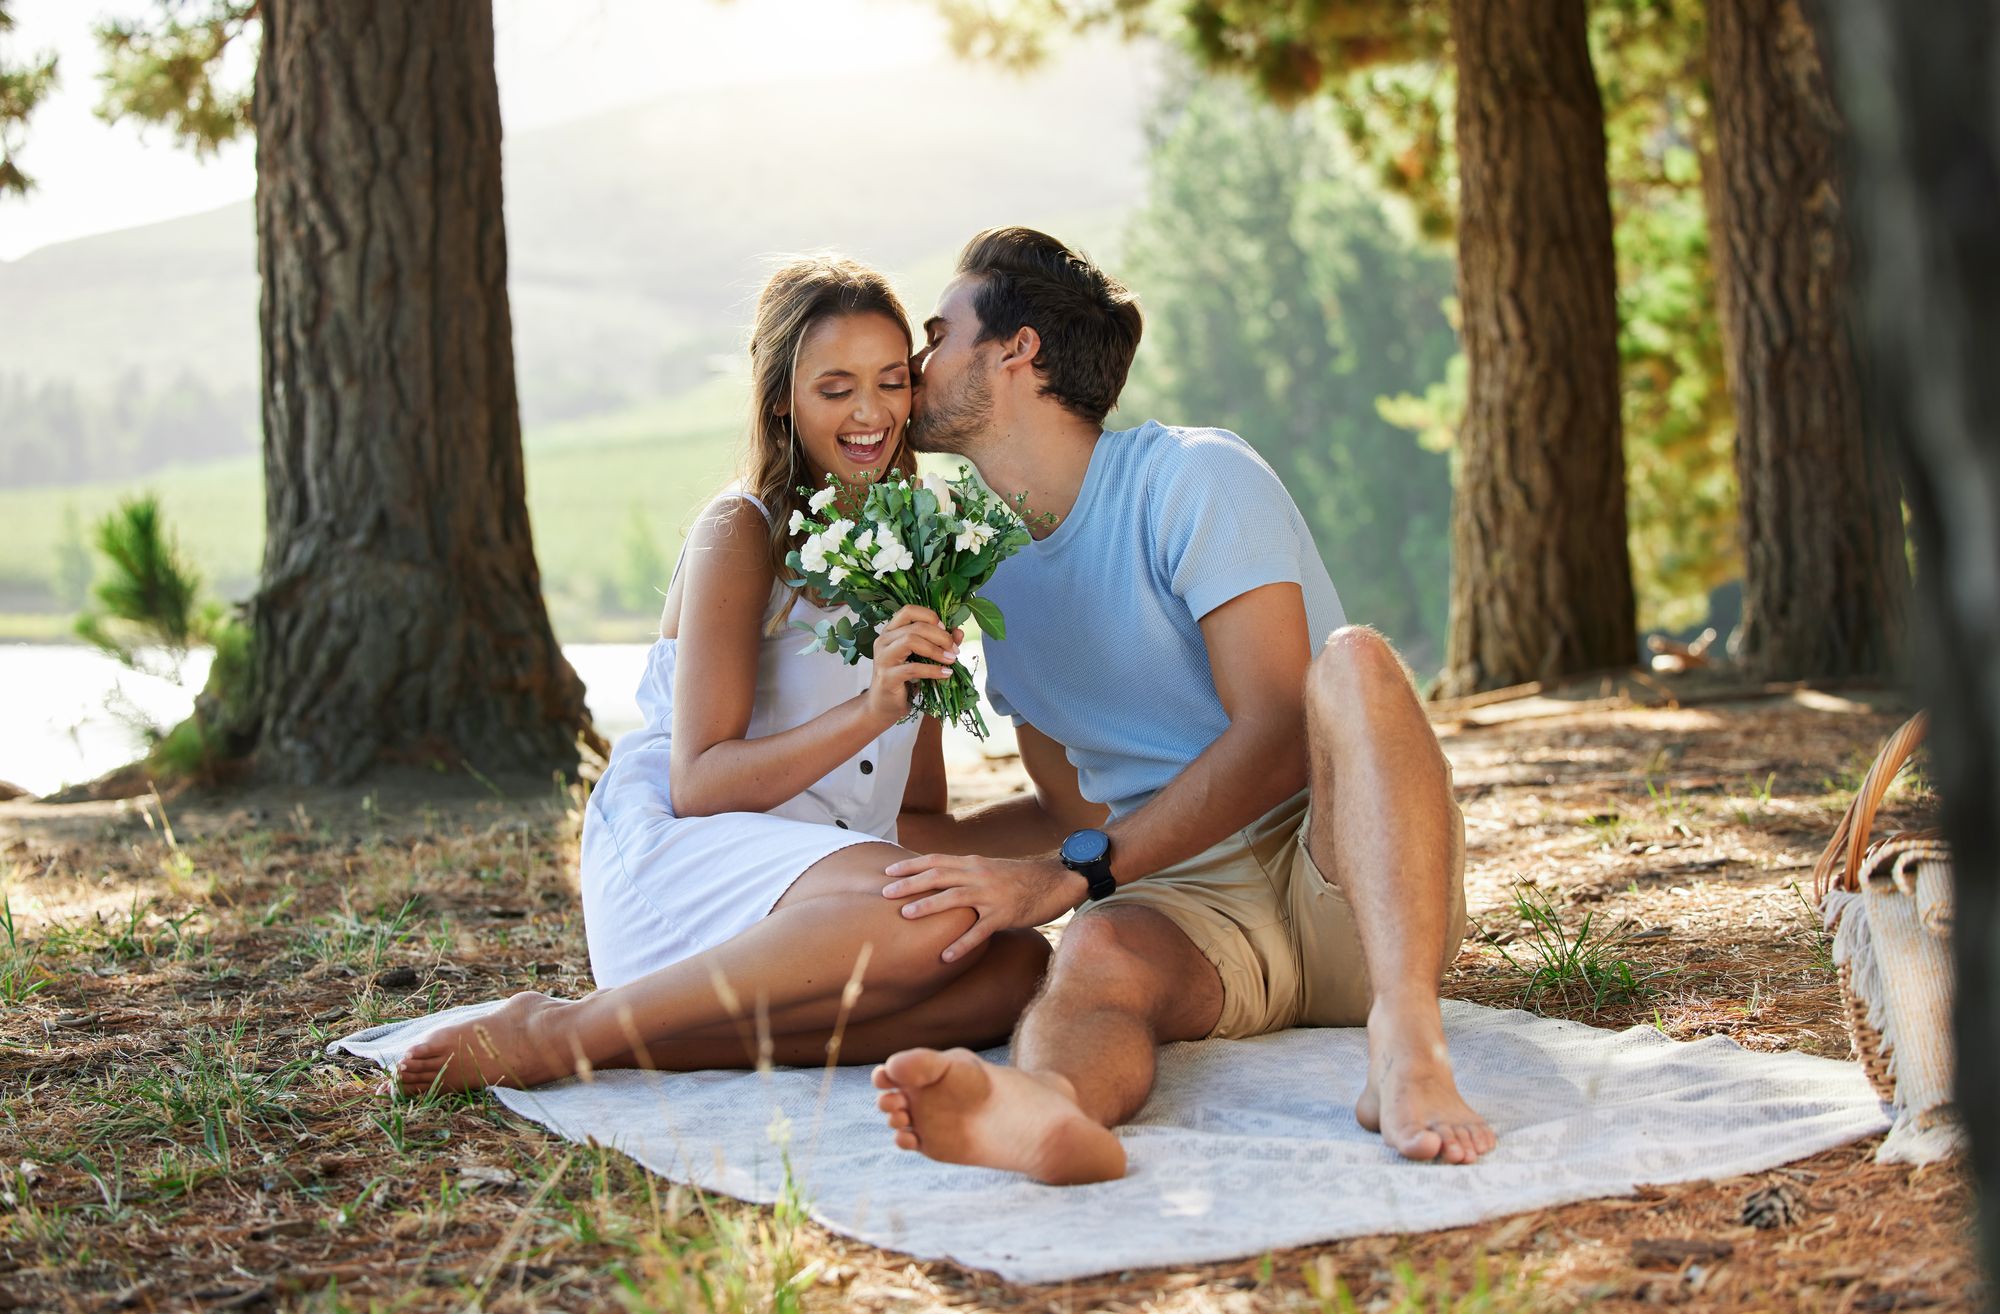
862 448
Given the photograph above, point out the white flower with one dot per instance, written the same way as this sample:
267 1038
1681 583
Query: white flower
798 521
837 574
890 556
813 555
942 490
973 535
823 499
866 543
836 533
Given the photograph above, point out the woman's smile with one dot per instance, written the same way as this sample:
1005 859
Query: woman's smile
864 449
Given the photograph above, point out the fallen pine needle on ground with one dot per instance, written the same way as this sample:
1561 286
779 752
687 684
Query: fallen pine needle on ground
174 1137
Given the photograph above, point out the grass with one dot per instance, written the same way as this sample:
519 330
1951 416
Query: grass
164 1074
20 975
1411 1291
1574 967
663 458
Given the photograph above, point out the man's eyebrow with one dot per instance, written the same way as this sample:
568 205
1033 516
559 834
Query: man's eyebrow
934 324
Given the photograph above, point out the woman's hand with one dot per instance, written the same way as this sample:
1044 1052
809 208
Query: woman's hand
912 634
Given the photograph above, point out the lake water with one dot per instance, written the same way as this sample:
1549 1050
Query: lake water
69 713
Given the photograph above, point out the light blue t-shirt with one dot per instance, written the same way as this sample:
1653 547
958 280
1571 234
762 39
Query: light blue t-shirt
1104 651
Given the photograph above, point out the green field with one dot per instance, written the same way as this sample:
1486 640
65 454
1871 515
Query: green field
590 483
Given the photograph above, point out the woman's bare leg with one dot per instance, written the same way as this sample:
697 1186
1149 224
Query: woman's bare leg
795 964
977 1008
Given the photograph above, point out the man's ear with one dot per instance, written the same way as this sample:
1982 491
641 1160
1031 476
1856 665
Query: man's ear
1020 351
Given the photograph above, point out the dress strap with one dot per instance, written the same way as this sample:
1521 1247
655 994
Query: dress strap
749 497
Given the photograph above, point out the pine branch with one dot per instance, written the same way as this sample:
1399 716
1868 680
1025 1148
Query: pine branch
168 71
22 88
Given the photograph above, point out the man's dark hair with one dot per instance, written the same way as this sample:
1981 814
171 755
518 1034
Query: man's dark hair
1088 321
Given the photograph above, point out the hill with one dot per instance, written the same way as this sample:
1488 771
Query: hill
634 235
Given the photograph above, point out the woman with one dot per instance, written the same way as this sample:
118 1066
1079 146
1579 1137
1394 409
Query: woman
733 851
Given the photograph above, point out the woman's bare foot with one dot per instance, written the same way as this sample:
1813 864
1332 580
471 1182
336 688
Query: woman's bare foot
1411 1097
515 1045
957 1108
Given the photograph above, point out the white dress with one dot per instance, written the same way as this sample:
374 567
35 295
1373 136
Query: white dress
658 888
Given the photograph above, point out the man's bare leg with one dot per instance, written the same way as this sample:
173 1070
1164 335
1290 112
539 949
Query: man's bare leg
1125 980
1381 819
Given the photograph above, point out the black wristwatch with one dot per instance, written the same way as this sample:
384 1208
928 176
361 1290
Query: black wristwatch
1088 853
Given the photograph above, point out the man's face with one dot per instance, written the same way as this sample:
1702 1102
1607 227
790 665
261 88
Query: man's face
954 406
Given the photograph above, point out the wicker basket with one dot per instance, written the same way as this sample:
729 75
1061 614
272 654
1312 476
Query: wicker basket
1888 905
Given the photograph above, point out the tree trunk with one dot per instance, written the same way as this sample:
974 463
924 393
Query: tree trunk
1541 575
1824 575
1917 83
399 616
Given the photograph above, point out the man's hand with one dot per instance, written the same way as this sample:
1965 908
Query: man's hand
1005 892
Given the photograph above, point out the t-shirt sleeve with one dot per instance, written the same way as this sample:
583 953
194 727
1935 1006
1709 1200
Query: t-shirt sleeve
999 701
1225 523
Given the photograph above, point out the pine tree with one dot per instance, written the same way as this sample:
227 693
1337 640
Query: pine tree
1917 82
399 613
1825 579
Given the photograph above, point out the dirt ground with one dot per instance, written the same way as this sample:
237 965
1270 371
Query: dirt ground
172 1137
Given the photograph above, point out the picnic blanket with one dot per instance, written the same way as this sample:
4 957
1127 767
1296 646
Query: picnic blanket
1247 1146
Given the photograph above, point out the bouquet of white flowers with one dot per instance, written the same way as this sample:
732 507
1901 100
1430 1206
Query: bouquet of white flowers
933 543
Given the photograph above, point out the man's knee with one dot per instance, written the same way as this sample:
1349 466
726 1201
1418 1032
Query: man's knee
1103 957
1355 667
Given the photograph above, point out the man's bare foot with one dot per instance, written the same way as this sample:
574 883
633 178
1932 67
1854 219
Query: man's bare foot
957 1108
515 1045
1411 1097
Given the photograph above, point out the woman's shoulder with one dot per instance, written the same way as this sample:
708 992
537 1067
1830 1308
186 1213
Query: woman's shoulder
729 547
739 501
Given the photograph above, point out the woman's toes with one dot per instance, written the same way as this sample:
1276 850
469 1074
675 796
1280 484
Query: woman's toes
881 1078
906 1140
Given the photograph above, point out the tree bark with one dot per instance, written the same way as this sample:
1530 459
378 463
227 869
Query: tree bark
399 615
1917 84
1825 582
1541 573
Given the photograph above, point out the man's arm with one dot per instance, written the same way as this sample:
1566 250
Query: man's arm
1258 653
1014 827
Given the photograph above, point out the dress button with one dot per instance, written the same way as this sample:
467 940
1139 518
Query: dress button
841 824
867 767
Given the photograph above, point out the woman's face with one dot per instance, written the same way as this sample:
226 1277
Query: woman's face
851 395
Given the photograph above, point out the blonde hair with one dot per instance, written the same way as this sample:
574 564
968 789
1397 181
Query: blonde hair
801 293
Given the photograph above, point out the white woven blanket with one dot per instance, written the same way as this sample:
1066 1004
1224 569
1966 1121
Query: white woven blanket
1247 1146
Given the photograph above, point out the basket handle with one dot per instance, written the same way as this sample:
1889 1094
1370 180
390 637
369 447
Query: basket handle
1850 840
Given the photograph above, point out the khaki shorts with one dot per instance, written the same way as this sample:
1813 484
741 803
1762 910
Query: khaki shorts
1279 932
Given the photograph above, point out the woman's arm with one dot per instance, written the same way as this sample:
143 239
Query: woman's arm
1016 827
727 586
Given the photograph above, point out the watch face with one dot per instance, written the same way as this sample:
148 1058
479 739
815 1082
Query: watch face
1086 846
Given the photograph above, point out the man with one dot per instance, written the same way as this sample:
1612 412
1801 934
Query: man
1176 660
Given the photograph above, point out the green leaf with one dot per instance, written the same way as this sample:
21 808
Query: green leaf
990 619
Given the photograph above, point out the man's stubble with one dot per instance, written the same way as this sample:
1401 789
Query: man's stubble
953 424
